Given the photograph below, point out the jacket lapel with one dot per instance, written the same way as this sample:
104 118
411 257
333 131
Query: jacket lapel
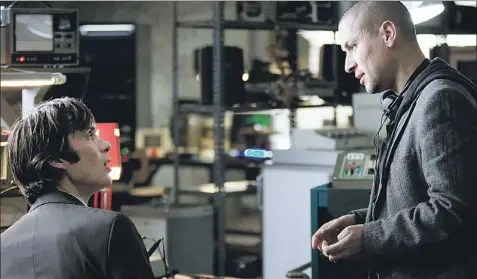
392 147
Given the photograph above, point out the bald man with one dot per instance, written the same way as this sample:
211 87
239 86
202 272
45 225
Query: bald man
421 221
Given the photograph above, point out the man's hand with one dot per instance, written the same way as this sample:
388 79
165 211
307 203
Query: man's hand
349 244
328 233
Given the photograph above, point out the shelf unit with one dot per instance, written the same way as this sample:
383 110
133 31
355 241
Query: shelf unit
218 24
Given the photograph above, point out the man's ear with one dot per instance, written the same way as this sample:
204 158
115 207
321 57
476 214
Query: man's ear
57 164
389 33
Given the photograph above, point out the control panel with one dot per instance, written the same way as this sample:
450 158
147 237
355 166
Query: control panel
355 169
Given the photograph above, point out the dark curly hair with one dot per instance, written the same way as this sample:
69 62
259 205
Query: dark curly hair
41 137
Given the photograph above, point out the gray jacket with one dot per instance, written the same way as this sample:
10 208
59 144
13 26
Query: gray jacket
423 222
60 238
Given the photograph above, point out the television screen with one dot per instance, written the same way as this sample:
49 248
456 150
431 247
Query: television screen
33 32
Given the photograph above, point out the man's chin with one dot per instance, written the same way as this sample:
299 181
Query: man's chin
371 90
105 184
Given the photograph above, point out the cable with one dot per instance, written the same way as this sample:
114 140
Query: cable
7 190
86 81
154 246
298 273
162 254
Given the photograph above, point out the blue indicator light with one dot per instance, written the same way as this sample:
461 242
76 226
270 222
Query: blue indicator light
257 153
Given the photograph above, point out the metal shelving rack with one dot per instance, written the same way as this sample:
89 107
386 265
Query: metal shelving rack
218 113
217 24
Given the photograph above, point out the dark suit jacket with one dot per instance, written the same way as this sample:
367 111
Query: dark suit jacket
60 238
422 223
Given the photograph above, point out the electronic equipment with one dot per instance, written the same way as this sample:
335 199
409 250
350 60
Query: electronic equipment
350 189
332 139
327 203
41 37
233 70
346 82
256 11
355 169
156 142
316 12
251 131
191 131
207 140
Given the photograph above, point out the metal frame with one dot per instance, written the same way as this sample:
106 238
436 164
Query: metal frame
218 113
218 24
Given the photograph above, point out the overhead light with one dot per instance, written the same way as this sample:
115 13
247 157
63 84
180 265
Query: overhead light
466 3
31 79
107 29
422 11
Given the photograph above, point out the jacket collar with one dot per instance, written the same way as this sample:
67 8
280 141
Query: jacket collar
56 197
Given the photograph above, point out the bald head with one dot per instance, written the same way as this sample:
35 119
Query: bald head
380 42
368 16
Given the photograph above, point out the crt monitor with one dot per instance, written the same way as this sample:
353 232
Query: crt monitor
41 37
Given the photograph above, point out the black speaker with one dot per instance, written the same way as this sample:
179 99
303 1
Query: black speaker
233 69
346 81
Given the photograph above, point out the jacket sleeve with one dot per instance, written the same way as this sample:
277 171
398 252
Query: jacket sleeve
127 255
446 145
360 215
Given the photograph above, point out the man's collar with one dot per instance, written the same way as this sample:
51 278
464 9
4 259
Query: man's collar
81 200
57 197
426 62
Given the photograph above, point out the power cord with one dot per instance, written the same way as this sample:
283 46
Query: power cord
154 247
4 192
298 273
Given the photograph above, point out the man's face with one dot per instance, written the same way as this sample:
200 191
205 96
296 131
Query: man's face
91 172
366 55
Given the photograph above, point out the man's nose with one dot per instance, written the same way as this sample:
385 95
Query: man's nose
350 65
105 146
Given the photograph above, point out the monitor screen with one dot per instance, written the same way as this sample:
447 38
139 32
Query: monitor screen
153 140
33 32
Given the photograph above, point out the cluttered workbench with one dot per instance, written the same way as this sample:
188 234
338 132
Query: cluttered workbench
251 169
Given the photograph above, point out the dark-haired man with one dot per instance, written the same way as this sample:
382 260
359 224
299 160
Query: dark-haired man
422 217
59 162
